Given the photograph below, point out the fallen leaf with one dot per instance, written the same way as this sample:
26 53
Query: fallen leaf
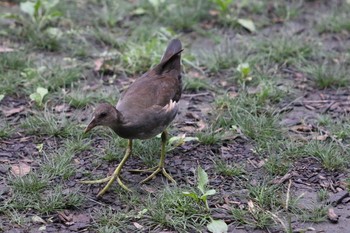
42 228
201 125
98 64
81 218
12 111
65 217
37 219
217 226
332 216
214 12
4 49
137 225
247 24
301 128
149 189
61 108
251 206
321 137
20 169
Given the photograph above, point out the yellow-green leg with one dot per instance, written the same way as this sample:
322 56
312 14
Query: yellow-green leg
115 175
160 167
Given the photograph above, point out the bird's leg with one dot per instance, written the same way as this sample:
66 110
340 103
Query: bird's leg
160 167
115 175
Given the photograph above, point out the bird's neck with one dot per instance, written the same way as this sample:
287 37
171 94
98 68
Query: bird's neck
117 121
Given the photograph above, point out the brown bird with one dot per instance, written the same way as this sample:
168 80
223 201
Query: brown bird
144 110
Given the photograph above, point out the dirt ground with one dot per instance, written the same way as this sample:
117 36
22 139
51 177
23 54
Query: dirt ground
299 111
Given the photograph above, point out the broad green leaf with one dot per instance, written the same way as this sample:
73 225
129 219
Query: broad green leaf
54 32
40 147
39 95
42 92
244 69
55 14
139 11
217 226
27 7
207 193
9 16
48 4
192 195
141 213
210 192
181 138
1 97
37 6
247 24
36 98
155 3
202 179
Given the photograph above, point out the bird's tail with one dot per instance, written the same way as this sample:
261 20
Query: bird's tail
172 57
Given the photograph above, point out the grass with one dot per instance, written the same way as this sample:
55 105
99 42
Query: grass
225 56
46 123
287 50
330 155
176 211
328 75
81 99
11 67
223 168
335 21
148 151
255 122
316 214
170 209
195 84
245 120
209 137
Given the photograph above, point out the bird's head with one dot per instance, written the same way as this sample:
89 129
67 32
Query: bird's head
104 115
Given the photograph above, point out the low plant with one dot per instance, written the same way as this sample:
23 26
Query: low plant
215 226
39 95
36 20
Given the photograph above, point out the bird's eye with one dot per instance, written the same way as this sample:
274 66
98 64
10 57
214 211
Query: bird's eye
103 114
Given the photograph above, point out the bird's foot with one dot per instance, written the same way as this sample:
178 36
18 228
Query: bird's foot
152 169
110 180
155 171
104 180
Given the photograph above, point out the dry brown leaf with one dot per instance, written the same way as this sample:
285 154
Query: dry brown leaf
214 12
251 206
149 189
12 111
137 225
201 125
195 74
4 49
65 217
81 218
61 108
321 137
332 216
20 169
301 128
98 64
37 219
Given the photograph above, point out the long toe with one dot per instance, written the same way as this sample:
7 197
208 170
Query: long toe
156 171
104 180
109 184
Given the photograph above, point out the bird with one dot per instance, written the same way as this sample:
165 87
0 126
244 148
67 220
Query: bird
144 110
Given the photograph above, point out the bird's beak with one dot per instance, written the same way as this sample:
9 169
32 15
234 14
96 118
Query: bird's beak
91 125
